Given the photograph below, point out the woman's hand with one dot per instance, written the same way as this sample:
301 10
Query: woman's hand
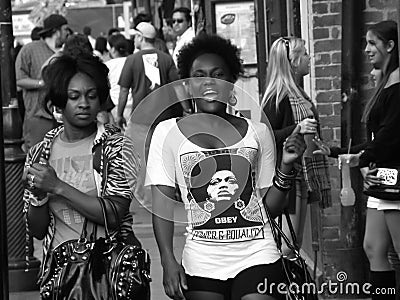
42 178
323 148
308 126
103 117
294 147
351 159
174 279
370 178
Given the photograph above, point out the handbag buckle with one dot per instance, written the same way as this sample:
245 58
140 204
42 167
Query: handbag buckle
82 246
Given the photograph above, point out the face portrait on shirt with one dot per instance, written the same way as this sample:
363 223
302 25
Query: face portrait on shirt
223 186
221 191
221 179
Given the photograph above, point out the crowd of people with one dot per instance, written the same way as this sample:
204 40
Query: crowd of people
81 93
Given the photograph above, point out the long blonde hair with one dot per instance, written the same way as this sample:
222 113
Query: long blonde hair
280 74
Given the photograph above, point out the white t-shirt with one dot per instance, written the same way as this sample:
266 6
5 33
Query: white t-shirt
227 228
181 41
115 66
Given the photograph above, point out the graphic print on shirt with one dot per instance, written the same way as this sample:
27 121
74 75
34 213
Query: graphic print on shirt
77 171
150 63
222 202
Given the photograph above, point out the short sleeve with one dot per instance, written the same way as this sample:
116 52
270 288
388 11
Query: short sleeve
267 156
126 77
21 71
161 160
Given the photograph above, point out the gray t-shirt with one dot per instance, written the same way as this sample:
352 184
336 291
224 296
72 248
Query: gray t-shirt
73 163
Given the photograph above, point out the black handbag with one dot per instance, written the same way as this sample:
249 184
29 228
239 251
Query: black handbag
299 283
103 268
389 189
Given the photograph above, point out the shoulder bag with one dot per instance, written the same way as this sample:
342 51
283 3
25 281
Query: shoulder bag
299 284
102 268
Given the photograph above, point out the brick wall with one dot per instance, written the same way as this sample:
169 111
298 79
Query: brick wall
326 43
327 52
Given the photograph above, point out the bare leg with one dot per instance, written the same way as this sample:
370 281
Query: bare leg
376 245
392 218
395 263
377 240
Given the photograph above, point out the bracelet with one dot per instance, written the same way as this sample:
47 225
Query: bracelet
34 201
282 181
283 187
292 175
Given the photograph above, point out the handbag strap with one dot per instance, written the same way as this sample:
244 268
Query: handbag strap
84 231
290 226
94 231
277 231
103 208
106 223
83 236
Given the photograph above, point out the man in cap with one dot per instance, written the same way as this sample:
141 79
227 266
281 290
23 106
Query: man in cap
28 65
143 72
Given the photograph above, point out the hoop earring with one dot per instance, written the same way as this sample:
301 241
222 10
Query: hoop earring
190 96
57 114
232 100
193 103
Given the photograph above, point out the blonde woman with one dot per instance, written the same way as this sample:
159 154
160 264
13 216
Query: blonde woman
287 106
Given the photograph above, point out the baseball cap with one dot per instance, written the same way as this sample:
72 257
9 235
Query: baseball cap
52 22
146 30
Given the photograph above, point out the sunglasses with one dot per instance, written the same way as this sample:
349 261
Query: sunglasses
177 21
287 45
